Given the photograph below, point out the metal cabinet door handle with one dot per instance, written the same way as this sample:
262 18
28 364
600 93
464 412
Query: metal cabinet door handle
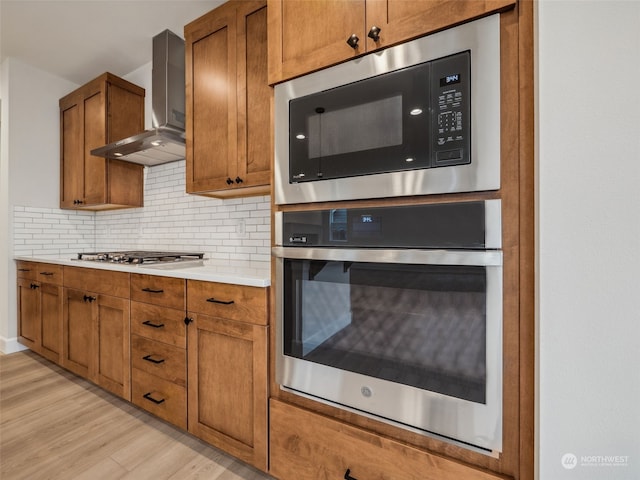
353 40
149 358
374 33
222 302
149 323
151 399
151 290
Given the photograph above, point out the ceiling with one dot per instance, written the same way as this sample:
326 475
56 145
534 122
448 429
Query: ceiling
81 39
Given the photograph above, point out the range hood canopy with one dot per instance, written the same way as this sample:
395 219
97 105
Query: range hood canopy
166 141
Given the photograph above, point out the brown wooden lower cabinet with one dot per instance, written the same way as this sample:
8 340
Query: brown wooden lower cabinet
158 347
96 329
227 378
96 339
206 373
40 308
308 446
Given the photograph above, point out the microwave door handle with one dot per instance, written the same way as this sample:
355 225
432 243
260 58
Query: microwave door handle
406 256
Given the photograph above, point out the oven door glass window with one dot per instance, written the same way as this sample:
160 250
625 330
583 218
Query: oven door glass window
418 325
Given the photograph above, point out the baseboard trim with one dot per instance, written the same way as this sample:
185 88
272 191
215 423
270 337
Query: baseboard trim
11 345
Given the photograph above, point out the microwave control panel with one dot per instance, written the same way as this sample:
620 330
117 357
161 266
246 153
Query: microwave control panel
450 110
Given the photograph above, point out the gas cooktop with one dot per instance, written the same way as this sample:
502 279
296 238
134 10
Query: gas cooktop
140 257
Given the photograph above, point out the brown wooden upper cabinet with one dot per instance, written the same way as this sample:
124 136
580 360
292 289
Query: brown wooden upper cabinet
104 110
307 35
228 98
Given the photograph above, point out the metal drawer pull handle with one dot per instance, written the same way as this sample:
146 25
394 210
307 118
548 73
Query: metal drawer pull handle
24 269
151 399
347 476
213 300
48 274
149 359
148 323
151 290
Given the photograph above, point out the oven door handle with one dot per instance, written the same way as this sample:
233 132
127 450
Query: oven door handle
484 258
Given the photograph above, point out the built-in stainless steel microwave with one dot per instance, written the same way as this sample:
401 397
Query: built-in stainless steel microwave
419 118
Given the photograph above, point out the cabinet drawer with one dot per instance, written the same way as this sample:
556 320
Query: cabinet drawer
96 280
50 273
165 291
28 270
235 302
159 323
160 397
43 272
321 447
164 361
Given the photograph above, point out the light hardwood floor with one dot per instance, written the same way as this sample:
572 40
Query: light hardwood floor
54 425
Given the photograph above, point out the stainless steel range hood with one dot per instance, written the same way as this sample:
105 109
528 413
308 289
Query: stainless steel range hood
166 141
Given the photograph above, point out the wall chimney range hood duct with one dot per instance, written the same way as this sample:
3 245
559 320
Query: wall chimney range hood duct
165 142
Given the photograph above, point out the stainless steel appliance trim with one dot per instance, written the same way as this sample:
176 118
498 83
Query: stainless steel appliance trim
493 223
451 419
482 37
277 228
405 256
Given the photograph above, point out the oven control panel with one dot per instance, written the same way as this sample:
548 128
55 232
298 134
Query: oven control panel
460 225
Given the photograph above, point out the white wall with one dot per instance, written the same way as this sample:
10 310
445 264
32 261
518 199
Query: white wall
4 207
588 126
35 135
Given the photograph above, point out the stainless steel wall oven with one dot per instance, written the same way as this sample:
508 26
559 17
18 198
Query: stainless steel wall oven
396 313
419 118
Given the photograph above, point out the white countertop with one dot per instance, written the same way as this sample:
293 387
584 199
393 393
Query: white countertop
238 272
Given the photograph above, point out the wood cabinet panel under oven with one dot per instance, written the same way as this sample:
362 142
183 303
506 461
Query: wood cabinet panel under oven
322 447
165 361
235 302
159 323
163 291
160 397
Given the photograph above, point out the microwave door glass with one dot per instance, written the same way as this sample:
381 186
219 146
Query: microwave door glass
376 125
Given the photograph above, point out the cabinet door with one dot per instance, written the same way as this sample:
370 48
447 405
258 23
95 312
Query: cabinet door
71 153
308 35
227 386
125 112
400 20
111 367
95 174
51 321
254 94
29 313
79 313
211 133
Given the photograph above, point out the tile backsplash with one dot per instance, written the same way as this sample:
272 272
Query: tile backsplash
231 229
